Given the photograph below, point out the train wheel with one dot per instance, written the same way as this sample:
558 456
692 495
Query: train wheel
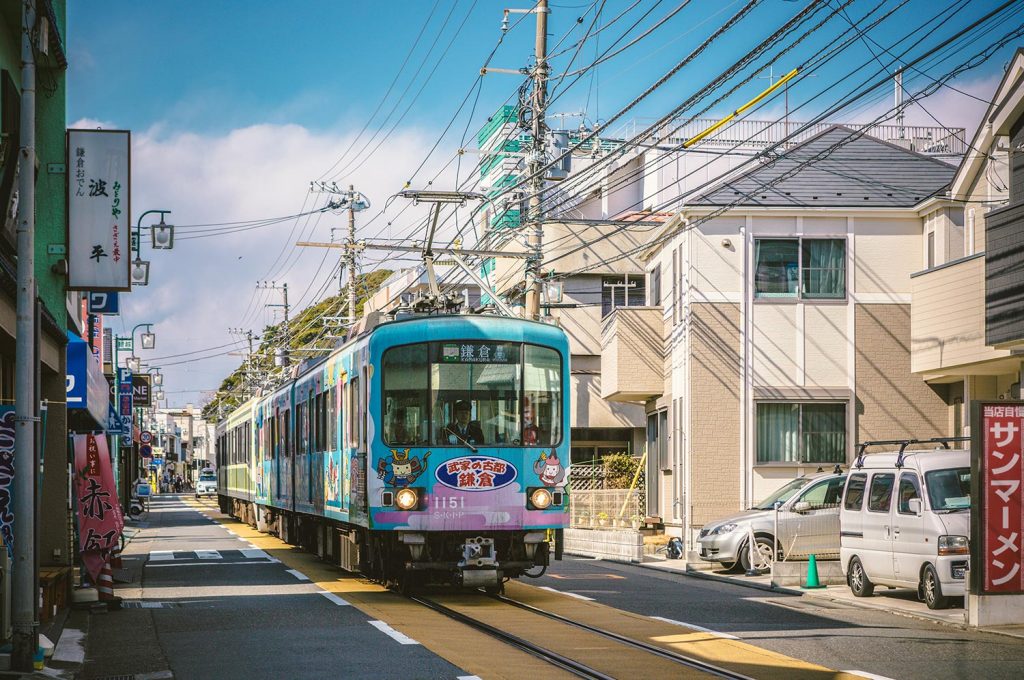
495 590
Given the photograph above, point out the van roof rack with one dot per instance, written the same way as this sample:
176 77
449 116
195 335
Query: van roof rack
903 444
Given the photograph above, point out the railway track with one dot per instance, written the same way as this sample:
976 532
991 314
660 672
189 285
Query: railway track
565 662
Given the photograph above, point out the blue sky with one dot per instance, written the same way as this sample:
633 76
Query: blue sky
236 106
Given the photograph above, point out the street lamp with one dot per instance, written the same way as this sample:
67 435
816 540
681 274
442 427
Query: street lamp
158 377
161 238
162 234
133 363
140 271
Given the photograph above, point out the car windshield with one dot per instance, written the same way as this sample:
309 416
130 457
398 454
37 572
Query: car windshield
949 489
207 477
783 494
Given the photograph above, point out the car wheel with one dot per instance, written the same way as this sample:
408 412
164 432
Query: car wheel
763 550
730 566
858 580
931 589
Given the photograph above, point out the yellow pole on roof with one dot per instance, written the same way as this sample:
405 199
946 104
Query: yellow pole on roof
771 88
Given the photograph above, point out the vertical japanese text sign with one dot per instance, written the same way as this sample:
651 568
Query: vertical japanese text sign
124 400
99 210
99 513
998 471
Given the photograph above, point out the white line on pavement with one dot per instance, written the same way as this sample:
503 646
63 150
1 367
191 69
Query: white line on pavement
208 555
253 553
562 592
870 676
696 627
71 646
401 638
335 599
212 564
161 555
297 574
467 677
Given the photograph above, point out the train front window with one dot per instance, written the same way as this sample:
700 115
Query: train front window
472 393
542 396
406 396
475 390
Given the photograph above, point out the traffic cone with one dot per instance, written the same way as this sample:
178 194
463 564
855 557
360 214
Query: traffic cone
812 574
115 558
105 583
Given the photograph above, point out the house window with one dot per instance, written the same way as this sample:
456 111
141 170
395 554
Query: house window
622 291
931 249
813 269
654 299
801 432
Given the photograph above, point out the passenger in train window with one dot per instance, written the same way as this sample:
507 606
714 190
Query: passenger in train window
463 430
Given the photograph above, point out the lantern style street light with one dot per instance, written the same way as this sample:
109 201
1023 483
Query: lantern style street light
161 238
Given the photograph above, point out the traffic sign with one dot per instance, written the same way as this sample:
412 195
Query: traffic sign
145 450
146 437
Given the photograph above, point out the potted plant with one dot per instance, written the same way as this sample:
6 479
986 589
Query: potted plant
635 521
602 518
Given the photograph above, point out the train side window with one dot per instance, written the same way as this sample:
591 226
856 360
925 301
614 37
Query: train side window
272 453
332 419
321 426
286 439
362 412
353 411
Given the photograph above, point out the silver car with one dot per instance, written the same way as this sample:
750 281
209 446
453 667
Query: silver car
808 525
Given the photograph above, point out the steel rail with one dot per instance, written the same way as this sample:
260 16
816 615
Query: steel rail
653 649
554 658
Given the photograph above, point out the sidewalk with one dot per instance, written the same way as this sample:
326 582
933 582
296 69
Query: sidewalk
898 601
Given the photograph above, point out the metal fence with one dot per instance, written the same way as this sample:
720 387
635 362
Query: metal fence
595 503
814 531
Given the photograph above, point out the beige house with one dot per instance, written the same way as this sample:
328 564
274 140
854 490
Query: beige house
779 328
968 326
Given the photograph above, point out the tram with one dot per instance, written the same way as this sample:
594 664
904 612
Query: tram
427 449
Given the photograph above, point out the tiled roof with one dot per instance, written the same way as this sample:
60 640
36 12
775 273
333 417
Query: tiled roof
837 168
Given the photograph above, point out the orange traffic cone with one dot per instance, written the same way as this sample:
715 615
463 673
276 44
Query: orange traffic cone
115 558
105 583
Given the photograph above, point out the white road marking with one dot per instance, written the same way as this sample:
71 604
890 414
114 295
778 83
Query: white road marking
212 564
209 555
155 675
244 540
870 676
468 677
161 555
562 592
297 574
335 599
696 627
401 638
231 532
255 553
71 646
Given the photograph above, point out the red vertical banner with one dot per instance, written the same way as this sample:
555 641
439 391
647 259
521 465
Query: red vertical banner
99 513
1002 477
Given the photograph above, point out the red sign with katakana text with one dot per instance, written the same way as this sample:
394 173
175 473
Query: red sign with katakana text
1002 485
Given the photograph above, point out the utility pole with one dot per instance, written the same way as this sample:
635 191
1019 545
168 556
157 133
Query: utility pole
536 163
899 102
23 590
350 255
286 350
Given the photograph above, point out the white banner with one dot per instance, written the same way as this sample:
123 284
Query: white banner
99 210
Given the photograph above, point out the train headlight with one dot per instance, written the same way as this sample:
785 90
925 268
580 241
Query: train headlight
540 499
406 499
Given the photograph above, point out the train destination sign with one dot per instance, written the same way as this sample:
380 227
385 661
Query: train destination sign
473 352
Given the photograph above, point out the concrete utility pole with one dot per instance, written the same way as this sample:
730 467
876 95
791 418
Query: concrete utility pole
898 82
350 255
540 94
23 586
286 352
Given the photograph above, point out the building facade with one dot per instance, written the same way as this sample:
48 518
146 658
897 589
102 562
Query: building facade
780 318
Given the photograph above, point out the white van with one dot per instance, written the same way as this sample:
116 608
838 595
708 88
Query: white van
905 522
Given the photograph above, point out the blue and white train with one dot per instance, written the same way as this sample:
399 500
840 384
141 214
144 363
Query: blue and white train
434 448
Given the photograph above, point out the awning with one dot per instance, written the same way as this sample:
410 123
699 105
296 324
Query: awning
87 392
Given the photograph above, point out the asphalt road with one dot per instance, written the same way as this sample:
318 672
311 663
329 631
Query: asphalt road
838 636
223 613
204 603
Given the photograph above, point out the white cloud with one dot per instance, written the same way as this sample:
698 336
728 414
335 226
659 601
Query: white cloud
206 285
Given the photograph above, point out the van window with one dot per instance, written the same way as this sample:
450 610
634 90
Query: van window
880 498
855 492
824 494
909 489
949 489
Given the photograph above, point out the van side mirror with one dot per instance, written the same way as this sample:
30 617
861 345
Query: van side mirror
915 505
802 506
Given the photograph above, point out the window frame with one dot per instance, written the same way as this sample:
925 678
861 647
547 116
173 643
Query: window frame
801 460
854 477
916 483
892 489
799 296
563 424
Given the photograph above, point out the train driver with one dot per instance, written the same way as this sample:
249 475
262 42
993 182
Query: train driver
463 430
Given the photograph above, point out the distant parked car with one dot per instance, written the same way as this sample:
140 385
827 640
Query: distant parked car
207 484
810 501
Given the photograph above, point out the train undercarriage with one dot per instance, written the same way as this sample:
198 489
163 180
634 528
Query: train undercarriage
407 560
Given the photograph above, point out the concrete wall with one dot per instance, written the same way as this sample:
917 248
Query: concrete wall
632 354
892 403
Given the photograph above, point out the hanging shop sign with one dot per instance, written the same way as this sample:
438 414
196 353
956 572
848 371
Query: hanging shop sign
100 521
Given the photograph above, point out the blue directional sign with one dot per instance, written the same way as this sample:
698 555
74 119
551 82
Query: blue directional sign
104 303
113 419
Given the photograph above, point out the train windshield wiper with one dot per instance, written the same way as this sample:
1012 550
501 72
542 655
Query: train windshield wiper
471 447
